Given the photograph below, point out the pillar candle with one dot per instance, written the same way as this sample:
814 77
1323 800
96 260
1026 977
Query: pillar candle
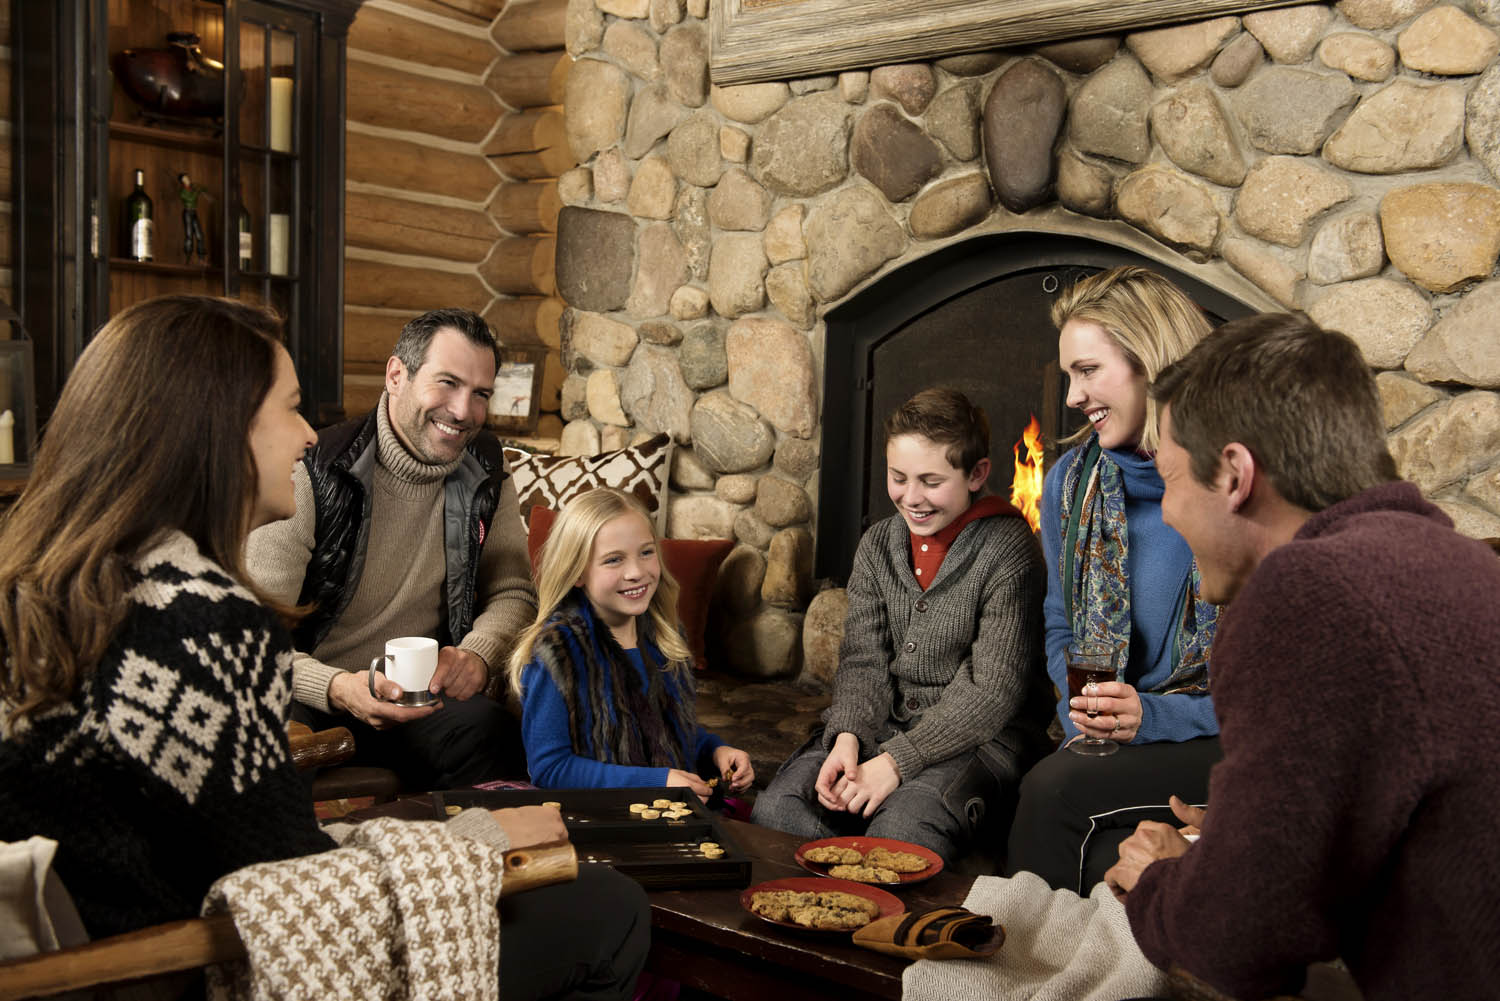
281 113
7 438
280 242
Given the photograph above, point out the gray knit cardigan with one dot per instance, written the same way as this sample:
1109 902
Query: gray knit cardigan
927 675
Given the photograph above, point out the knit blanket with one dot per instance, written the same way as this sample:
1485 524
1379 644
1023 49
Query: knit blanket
401 910
1058 947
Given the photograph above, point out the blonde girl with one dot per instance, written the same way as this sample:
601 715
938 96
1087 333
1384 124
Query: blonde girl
603 674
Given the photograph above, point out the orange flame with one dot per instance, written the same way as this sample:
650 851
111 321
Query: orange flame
1026 487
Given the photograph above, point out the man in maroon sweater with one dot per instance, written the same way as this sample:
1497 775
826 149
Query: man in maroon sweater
1356 682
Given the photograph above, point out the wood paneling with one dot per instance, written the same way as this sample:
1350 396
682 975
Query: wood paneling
530 145
394 99
532 26
408 227
388 34
527 320
414 167
530 79
369 337
522 265
372 283
523 209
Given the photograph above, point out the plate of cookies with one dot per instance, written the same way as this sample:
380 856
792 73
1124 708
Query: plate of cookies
870 860
816 904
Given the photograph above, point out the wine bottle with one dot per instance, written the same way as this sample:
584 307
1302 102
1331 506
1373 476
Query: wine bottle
247 242
140 228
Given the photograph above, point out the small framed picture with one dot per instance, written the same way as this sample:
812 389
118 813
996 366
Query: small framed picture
518 388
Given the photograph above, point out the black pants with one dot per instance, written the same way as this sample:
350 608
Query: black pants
1075 810
585 939
461 744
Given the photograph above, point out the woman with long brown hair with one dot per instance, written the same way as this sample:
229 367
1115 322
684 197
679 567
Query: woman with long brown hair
144 683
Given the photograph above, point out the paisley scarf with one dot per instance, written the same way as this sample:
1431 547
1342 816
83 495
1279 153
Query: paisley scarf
1096 585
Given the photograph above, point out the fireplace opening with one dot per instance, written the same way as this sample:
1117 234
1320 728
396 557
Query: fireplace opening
975 315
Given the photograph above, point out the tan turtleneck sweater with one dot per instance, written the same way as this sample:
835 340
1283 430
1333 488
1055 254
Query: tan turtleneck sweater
400 591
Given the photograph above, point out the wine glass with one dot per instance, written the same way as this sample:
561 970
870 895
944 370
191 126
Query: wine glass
1089 663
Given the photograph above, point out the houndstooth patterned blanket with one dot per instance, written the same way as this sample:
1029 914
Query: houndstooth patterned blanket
401 910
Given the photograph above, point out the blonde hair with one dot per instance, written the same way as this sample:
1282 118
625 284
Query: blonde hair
1153 322
565 557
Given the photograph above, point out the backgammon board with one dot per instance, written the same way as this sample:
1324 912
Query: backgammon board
659 852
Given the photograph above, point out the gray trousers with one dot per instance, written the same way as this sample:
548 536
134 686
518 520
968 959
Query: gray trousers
942 807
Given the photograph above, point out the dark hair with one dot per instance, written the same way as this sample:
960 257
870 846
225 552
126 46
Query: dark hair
411 347
1299 397
151 433
944 416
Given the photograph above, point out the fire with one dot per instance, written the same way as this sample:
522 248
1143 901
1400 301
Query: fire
1026 487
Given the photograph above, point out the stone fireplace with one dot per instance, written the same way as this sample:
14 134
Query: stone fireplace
736 258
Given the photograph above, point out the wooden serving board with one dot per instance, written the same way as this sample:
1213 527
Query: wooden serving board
658 854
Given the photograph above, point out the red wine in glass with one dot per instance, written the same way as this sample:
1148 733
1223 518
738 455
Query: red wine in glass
1090 664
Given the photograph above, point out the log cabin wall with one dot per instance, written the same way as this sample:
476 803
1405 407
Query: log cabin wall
454 143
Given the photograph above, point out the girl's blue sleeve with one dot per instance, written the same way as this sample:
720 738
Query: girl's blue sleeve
1059 631
549 746
704 752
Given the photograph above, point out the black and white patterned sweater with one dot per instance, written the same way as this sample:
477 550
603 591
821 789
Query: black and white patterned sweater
170 766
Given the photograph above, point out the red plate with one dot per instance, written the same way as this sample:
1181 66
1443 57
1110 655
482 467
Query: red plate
863 846
889 903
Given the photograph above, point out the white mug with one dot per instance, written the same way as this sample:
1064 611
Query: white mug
409 661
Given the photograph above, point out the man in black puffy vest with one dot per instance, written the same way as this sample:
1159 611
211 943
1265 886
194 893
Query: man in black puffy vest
407 525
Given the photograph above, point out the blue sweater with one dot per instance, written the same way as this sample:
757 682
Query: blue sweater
1158 564
549 748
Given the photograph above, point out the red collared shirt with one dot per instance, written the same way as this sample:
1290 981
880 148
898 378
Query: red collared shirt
927 551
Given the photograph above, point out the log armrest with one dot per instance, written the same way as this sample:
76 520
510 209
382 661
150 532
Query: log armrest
187 945
320 749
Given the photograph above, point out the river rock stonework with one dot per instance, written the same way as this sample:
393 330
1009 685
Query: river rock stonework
1339 158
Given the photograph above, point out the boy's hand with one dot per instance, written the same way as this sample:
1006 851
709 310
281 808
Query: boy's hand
840 767
531 825
734 767
878 778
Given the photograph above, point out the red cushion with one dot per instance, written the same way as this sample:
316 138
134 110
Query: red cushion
693 562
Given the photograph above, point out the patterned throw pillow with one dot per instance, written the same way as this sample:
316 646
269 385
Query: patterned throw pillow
553 480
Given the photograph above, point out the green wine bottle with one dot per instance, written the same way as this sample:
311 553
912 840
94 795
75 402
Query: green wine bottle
139 226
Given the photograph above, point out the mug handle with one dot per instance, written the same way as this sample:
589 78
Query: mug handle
376 665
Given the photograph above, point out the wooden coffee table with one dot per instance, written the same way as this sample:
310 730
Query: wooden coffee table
704 939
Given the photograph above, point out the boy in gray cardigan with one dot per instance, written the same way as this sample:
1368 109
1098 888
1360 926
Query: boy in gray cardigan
941 698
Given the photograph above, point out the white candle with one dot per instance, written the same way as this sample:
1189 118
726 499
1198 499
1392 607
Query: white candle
281 113
7 438
280 242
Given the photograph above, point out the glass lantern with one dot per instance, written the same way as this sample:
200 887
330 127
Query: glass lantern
17 400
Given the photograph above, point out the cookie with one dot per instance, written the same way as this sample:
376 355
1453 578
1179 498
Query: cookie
825 910
864 873
884 858
833 854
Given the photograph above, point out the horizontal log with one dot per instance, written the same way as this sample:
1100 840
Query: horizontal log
478 12
370 337
530 145
530 207
361 393
532 25
530 79
522 265
390 34
371 283
524 320
395 99
402 226
408 166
